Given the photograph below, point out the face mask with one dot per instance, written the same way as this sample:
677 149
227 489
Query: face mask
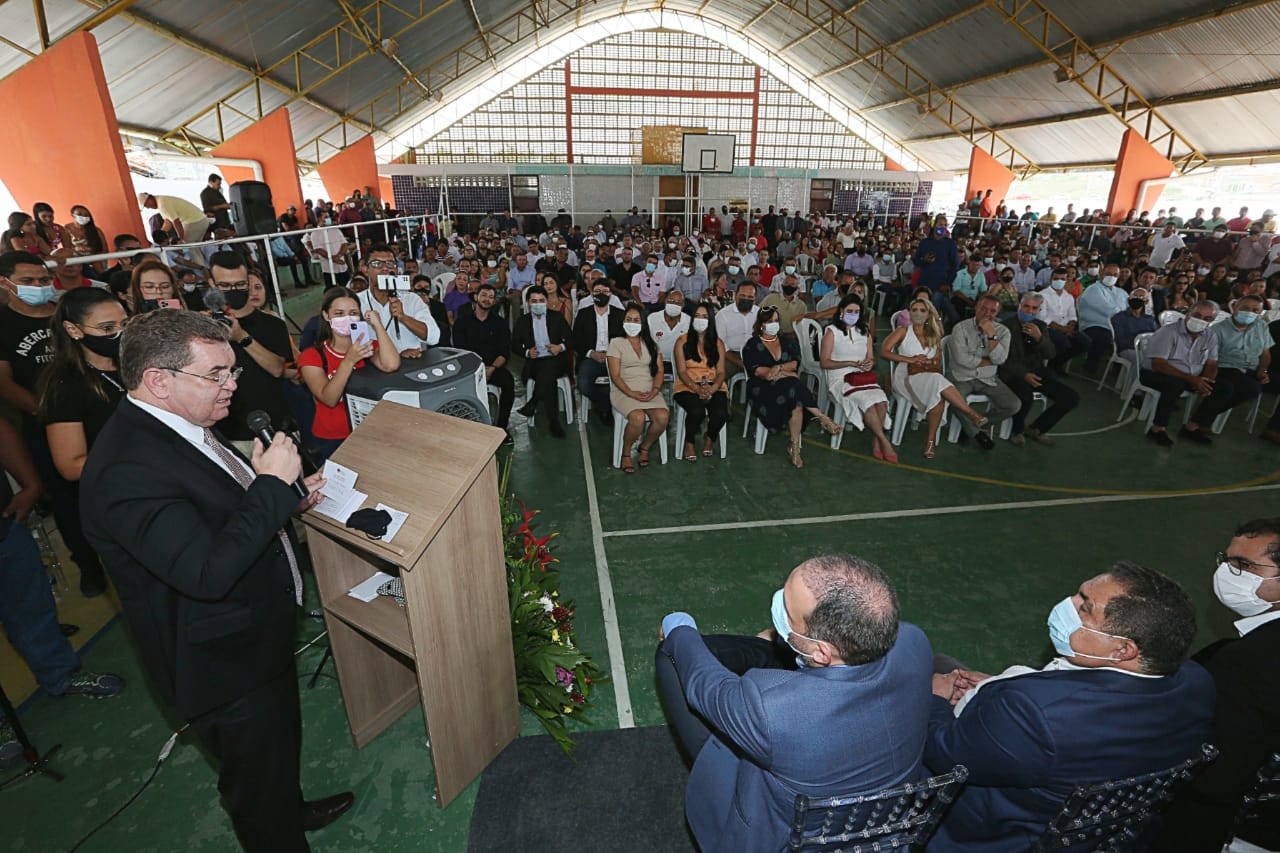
650 268
782 627
632 329
1058 283
700 324
103 345
1195 325
675 231
1202 270
1137 304
35 294
237 299
1109 280
1246 318
734 269
1239 591
1001 267
600 298
1219 234
538 309
491 263
82 220
771 328
1231 278
1065 621
851 318
789 289
918 317
673 309
671 244
1024 317
1093 271
789 269
744 305
751 246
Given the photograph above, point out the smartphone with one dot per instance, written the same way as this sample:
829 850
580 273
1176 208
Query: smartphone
359 332
393 283
170 303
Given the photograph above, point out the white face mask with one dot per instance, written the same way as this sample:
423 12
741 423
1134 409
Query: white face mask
82 220
771 328
1195 325
1240 591
673 309
1093 270
700 324
1109 280
632 329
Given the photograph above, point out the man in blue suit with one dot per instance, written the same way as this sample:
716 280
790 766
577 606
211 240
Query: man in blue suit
841 708
1119 700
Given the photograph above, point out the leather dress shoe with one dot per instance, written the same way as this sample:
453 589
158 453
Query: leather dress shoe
320 813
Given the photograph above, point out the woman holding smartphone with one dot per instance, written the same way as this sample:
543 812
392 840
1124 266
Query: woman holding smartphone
343 345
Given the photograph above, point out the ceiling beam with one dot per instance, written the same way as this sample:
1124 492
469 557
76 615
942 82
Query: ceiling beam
1081 64
1116 43
936 25
1170 101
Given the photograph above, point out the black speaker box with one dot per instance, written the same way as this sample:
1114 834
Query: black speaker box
251 208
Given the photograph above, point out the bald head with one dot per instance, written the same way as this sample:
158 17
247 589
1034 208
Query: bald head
855 606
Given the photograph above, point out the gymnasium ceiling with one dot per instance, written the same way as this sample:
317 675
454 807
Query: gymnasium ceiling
1041 84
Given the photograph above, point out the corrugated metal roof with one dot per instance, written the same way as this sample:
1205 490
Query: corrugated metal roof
158 83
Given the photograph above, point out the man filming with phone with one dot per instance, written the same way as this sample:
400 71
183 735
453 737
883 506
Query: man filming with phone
405 315
261 346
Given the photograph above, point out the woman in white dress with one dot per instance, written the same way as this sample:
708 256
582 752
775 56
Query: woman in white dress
848 350
918 374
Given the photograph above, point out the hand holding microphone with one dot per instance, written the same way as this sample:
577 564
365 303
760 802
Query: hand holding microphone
275 454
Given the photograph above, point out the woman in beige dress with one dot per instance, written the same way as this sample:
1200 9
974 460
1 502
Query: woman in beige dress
635 370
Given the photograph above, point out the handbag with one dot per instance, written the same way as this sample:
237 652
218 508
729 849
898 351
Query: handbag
931 367
860 381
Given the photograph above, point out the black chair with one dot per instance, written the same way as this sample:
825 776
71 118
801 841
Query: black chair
1111 816
1264 793
903 817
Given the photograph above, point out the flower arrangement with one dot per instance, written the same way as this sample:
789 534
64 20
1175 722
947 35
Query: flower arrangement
554 677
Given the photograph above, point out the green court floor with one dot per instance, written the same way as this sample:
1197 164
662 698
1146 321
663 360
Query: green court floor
980 545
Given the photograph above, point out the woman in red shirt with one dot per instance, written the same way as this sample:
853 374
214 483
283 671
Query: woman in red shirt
326 368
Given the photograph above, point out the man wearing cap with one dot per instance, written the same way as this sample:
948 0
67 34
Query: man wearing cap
215 203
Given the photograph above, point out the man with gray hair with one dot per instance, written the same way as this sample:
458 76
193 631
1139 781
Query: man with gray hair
198 543
1181 356
1026 373
833 700
975 350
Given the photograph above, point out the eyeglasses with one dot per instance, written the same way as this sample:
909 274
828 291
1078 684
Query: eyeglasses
220 378
243 284
380 265
1240 565
108 329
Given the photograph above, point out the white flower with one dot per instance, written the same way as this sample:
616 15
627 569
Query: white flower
546 603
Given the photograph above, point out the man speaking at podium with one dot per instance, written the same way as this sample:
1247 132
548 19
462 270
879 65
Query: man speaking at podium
197 541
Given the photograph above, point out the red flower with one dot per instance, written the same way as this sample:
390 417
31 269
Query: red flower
560 614
577 698
566 627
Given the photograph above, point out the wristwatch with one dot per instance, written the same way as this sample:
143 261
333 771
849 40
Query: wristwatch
244 342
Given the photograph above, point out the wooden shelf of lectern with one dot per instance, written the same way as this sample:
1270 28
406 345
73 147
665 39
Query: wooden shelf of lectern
449 647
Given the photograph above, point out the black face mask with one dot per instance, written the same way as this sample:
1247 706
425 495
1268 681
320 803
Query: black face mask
745 305
236 299
600 299
789 289
1007 280
107 346
1137 304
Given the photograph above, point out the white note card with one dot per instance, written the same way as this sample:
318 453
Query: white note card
340 495
367 591
397 520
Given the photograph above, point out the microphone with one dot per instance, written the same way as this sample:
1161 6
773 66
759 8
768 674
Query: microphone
259 423
216 301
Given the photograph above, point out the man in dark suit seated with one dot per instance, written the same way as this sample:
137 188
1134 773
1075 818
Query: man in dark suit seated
1246 725
485 333
197 542
833 701
542 337
1119 700
593 328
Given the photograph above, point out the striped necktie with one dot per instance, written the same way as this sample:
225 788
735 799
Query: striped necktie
236 468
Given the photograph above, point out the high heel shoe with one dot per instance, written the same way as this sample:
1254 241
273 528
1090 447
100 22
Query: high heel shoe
929 448
627 467
977 419
829 426
877 452
689 455
793 451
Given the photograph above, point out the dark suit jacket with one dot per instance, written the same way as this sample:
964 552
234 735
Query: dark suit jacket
557 333
584 328
1025 355
1028 740
1246 730
201 573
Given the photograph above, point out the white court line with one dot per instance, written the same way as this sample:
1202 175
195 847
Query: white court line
919 511
618 670
1133 416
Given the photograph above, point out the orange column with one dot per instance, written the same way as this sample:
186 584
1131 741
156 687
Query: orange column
63 139
352 168
892 165
987 173
269 141
1137 161
386 191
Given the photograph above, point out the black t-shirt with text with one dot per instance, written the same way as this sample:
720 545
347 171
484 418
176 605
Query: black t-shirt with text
257 389
27 344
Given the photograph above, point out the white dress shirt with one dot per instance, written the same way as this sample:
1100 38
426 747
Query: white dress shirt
665 336
1057 307
734 328
193 435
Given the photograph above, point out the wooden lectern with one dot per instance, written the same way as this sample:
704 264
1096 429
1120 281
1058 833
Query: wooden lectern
449 647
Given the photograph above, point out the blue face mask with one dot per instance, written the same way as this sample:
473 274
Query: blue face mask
650 268
1246 318
35 295
783 627
1024 317
1065 621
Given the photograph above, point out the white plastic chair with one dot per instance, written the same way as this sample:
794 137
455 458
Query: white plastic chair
564 393
953 430
1167 317
681 415
1122 376
620 426
440 283
1150 395
808 334
584 405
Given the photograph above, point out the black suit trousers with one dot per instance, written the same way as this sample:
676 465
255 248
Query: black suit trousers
257 742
